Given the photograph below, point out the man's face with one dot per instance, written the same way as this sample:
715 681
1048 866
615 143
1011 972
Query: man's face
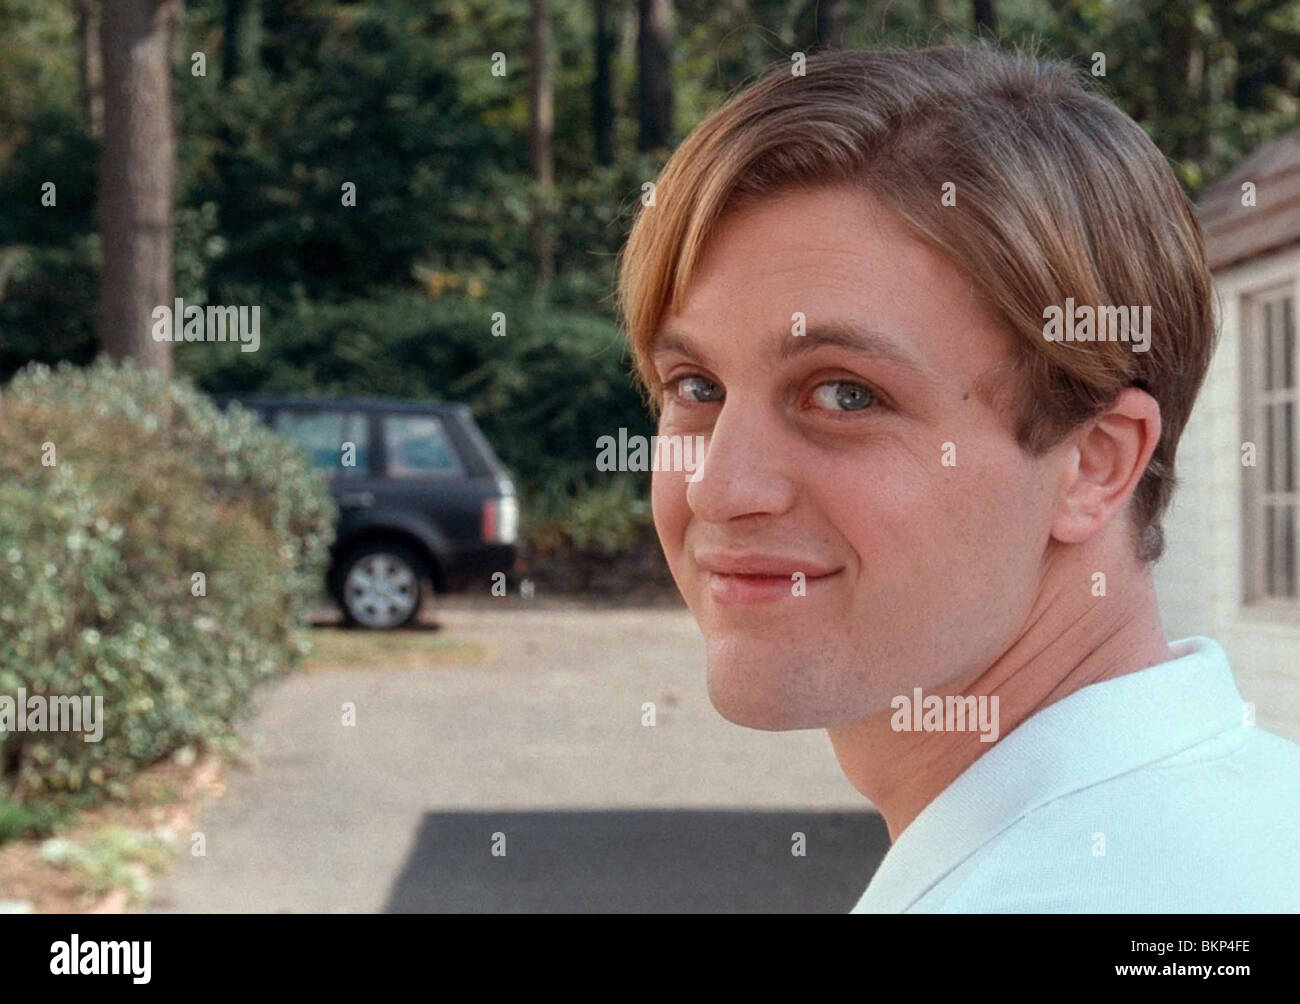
917 523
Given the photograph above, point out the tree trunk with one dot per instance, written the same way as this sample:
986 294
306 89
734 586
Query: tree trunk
1174 79
239 51
654 85
602 95
136 177
986 16
936 10
820 25
541 126
91 66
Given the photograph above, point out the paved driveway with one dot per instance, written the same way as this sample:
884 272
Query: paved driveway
537 752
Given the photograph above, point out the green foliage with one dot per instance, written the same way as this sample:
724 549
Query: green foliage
47 314
111 858
38 64
607 518
60 152
150 484
360 95
543 393
49 255
394 295
17 821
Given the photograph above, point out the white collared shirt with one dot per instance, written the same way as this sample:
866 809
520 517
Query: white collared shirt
1152 792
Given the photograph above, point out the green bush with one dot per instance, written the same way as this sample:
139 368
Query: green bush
150 483
543 393
17 821
608 518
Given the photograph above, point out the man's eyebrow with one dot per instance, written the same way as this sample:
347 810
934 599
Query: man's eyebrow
823 335
671 340
847 336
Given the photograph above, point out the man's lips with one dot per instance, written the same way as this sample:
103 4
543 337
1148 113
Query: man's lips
760 578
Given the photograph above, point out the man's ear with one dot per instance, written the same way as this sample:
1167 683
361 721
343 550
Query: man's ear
1111 453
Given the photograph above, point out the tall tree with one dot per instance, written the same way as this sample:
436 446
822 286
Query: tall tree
986 16
935 10
137 167
243 26
541 128
602 86
90 66
820 25
654 85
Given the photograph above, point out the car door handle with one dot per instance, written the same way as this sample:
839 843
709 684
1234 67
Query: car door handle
360 500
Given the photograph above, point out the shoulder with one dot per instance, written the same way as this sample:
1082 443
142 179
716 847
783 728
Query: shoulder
1215 828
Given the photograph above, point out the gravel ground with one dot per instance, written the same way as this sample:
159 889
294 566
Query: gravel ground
536 751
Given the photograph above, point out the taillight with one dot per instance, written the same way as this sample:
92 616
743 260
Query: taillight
501 519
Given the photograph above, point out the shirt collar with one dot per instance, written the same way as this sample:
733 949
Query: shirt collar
1098 732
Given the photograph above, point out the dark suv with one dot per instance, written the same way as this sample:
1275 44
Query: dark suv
421 496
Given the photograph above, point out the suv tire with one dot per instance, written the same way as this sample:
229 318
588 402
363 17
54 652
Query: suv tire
380 586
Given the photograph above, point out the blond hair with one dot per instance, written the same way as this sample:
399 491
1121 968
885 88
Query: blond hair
1061 195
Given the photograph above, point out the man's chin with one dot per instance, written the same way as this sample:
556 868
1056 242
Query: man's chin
747 696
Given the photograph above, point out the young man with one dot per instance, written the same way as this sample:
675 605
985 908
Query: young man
940 317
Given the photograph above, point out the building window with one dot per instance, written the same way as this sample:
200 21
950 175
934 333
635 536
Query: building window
1270 413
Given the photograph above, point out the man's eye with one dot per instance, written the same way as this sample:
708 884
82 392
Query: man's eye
697 389
839 395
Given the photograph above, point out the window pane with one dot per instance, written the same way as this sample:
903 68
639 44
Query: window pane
1288 446
1267 333
1269 459
1288 549
1288 325
323 435
417 446
1270 587
1287 376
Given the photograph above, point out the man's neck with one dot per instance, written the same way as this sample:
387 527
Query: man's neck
1070 640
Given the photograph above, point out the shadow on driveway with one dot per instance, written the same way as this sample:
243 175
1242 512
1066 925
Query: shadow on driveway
642 861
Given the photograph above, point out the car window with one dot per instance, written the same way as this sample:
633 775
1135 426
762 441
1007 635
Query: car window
417 446
324 435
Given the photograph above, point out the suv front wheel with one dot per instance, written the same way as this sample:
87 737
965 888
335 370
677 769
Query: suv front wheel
380 587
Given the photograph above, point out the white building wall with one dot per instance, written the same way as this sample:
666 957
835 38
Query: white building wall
1200 579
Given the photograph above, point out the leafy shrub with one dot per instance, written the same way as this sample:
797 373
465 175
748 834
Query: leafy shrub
608 518
543 394
597 538
150 483
17 821
111 858
49 254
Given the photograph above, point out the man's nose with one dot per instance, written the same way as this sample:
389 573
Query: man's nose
743 472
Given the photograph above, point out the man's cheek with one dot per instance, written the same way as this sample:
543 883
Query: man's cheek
985 507
670 512
663 497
